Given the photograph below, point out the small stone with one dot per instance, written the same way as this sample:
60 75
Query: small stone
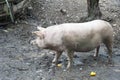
64 70
80 69
63 11
39 71
114 25
5 31
30 8
115 15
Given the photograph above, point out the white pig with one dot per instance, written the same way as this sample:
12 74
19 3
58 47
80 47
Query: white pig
75 37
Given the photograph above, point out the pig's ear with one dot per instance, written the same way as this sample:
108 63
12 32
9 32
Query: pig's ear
39 34
40 28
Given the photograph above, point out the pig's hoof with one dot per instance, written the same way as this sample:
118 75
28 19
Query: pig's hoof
95 57
54 63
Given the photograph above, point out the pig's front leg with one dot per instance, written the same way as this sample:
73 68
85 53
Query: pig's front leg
57 55
70 59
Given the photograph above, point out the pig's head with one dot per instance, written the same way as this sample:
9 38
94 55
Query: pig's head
39 41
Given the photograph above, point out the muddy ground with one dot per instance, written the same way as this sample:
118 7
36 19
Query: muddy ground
21 61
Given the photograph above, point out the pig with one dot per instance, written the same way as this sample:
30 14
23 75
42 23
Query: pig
75 37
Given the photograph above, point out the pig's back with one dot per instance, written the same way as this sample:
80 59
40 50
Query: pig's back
100 27
96 25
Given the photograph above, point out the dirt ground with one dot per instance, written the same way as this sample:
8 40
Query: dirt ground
19 60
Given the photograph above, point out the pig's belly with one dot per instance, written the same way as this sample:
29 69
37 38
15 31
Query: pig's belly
82 47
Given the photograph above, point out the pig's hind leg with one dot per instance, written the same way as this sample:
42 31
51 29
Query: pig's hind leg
109 43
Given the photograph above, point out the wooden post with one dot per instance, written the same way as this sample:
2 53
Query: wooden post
93 9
